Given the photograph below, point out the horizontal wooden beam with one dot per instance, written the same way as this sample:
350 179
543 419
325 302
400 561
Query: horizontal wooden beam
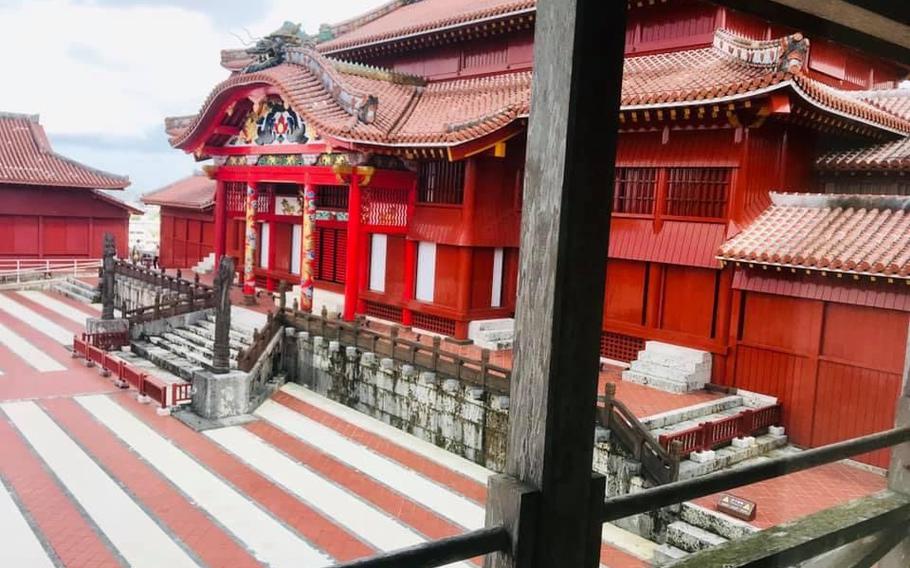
791 543
672 493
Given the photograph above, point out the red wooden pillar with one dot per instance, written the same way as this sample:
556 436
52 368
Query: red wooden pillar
463 301
363 275
270 255
220 220
307 250
410 274
355 244
249 248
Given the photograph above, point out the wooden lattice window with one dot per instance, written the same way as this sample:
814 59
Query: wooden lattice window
698 192
440 181
236 196
620 347
635 190
331 254
332 197
382 311
435 324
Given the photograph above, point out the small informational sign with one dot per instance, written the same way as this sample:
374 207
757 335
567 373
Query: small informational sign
287 206
737 507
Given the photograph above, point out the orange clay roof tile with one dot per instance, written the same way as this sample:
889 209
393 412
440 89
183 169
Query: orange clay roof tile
867 234
26 158
193 192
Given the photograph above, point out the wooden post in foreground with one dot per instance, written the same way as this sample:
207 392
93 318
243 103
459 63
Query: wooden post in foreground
548 499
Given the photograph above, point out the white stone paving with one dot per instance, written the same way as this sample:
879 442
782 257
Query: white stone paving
36 320
39 360
22 547
403 439
140 541
51 303
269 541
335 503
442 500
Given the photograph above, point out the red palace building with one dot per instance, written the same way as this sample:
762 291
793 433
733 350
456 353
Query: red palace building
52 207
386 161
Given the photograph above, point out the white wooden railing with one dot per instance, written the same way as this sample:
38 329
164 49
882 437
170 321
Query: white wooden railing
20 269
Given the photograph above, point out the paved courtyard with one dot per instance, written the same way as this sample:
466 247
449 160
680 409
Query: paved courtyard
89 477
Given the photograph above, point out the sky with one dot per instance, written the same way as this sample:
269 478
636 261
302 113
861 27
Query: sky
103 74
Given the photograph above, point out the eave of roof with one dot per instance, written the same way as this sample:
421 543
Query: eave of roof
117 202
860 235
369 107
195 192
26 158
416 19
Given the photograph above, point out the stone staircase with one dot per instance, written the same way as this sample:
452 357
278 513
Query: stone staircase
741 449
77 290
494 334
182 351
698 528
670 368
205 265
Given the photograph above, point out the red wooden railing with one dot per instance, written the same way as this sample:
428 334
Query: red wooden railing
709 435
165 394
107 340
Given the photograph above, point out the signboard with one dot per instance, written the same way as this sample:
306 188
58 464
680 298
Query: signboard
737 507
287 205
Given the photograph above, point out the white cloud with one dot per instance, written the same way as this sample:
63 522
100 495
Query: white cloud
110 71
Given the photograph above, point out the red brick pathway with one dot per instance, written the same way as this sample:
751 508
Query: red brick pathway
799 494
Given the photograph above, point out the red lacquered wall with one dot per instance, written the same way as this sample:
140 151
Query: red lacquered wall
186 237
58 223
836 368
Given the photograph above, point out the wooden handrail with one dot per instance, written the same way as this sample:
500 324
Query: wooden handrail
476 372
246 358
661 464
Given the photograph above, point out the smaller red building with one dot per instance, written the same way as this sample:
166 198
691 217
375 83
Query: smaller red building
52 206
187 225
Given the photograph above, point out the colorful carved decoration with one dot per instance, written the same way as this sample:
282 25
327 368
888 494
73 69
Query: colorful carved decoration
272 122
308 252
794 53
249 249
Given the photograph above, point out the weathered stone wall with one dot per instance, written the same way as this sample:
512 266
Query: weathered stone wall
464 420
136 294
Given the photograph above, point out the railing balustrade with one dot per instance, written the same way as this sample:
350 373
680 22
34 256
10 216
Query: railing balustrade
709 435
478 372
20 269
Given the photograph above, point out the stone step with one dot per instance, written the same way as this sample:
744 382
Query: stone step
148 367
690 538
678 352
715 522
666 554
694 412
700 374
206 353
236 335
190 353
203 341
208 334
658 358
501 324
496 335
677 387
730 456
693 422
166 359
79 293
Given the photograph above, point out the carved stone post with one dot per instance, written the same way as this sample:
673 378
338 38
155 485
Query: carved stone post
107 277
221 352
